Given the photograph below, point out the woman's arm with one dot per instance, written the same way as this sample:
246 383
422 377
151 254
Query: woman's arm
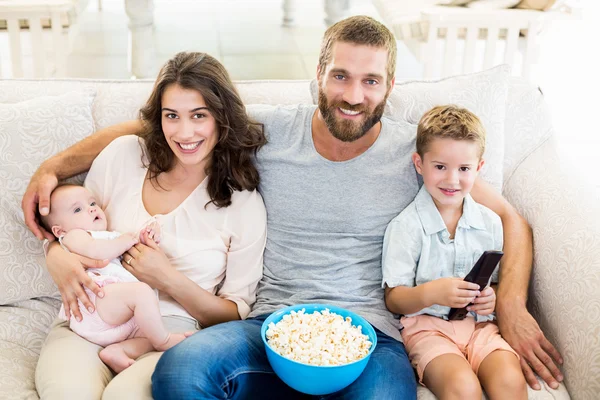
150 264
72 161
205 307
247 222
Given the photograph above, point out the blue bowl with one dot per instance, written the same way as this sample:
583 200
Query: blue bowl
316 379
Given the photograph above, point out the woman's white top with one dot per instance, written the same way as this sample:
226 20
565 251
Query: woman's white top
220 249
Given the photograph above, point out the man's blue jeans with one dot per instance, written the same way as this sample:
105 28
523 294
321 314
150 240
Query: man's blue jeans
228 361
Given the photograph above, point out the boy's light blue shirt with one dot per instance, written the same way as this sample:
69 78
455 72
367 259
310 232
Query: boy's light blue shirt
417 247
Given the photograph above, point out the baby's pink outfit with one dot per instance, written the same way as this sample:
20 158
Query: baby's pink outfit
92 327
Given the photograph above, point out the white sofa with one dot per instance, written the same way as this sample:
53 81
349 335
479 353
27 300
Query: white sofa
562 211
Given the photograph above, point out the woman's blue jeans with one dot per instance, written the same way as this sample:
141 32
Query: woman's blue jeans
228 361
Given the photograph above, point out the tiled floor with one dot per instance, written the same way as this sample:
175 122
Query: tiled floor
248 37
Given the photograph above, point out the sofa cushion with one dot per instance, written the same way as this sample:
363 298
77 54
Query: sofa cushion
31 132
528 124
546 393
23 329
563 211
118 101
483 93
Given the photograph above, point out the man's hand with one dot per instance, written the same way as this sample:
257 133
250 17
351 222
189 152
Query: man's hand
537 354
451 292
68 272
485 303
40 187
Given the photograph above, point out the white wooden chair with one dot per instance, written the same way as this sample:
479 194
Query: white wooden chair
25 19
454 40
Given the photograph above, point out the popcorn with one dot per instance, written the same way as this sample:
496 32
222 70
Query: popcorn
320 338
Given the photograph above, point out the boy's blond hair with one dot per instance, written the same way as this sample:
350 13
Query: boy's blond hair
361 30
449 122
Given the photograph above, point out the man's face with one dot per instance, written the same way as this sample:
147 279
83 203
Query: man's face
353 90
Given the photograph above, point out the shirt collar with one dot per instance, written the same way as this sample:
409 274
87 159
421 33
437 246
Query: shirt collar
428 213
431 218
471 217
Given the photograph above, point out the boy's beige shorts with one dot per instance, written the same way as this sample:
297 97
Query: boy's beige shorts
70 368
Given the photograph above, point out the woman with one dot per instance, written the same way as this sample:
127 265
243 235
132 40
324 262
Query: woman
192 170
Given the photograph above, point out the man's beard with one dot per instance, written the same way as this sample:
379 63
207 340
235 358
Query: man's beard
347 130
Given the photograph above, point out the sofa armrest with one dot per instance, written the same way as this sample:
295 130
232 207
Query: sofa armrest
564 213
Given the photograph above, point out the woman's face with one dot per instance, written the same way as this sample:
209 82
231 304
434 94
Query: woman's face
189 128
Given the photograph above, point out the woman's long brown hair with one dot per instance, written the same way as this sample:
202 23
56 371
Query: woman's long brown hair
232 164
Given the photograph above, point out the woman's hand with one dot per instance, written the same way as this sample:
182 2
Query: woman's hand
485 303
68 272
149 263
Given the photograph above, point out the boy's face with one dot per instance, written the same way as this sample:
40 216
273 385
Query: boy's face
74 207
353 89
449 168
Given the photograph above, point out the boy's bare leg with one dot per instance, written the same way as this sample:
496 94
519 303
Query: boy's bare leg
450 376
501 376
121 302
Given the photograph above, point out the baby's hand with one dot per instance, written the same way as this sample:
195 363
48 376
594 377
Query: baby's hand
151 231
130 238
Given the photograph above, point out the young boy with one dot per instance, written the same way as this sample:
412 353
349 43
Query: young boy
429 248
127 321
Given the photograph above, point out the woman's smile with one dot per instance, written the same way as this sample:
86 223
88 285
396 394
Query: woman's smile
190 147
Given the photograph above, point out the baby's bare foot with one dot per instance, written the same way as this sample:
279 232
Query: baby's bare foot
115 357
172 340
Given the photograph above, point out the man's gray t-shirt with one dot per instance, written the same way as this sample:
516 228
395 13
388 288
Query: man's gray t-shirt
325 219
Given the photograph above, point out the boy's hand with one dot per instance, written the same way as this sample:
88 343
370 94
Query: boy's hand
485 303
451 292
150 231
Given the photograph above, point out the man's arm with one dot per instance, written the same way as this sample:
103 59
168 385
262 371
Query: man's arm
72 161
518 245
79 157
517 326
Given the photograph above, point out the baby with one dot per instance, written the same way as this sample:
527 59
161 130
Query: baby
127 321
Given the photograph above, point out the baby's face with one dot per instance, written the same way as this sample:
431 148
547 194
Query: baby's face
74 207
